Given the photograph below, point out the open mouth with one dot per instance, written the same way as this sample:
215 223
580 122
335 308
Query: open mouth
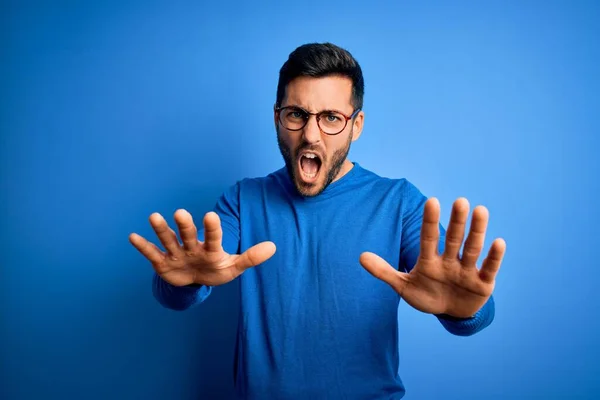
309 166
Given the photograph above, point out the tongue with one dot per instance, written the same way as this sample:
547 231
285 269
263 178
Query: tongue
309 165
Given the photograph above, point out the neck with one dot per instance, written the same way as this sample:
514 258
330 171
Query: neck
346 167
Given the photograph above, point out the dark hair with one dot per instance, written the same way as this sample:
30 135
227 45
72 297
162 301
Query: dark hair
319 60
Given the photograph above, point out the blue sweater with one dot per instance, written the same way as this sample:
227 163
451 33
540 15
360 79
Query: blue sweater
314 324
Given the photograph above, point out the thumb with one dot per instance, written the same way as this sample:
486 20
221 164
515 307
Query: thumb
255 255
382 270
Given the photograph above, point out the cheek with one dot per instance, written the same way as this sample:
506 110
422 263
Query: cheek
289 141
337 144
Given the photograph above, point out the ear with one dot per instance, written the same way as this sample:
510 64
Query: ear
275 115
357 125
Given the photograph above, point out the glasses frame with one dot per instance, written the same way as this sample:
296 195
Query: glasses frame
318 115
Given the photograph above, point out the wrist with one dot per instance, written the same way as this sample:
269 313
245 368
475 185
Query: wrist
450 317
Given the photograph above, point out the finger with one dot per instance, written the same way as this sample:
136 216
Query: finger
148 250
456 228
255 255
187 230
165 234
492 262
430 232
476 238
382 270
213 234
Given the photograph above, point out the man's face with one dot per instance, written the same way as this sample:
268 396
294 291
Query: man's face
313 158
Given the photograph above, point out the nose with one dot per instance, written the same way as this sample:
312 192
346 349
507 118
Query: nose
312 132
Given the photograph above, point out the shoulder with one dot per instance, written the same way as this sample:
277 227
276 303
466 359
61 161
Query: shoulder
245 191
249 186
400 190
260 183
399 186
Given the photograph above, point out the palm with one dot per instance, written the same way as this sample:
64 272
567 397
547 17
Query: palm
193 261
447 283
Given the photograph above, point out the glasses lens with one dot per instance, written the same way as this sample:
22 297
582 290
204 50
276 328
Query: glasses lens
332 122
293 118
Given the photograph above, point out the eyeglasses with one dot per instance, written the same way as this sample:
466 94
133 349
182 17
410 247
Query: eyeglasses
330 122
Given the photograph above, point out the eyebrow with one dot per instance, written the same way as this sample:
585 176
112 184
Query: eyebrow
322 111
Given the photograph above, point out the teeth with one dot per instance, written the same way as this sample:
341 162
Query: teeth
311 156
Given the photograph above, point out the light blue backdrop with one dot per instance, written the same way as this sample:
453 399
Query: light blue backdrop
113 110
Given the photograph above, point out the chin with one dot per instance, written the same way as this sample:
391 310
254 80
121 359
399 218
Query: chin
309 187
309 191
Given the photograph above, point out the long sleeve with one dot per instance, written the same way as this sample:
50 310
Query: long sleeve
178 298
412 218
470 326
181 298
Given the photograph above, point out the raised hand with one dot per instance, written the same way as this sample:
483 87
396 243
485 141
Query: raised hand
196 262
448 283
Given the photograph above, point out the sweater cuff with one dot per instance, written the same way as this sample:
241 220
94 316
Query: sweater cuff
472 325
179 297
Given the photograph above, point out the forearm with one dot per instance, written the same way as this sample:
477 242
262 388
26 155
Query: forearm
178 298
470 326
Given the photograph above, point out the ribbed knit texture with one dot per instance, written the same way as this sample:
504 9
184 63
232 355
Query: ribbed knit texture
313 323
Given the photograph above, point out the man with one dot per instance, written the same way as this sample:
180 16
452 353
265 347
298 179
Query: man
318 314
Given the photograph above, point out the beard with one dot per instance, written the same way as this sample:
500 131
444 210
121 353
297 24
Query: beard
329 166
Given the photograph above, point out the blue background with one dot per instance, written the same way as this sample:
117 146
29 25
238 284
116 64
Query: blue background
111 111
